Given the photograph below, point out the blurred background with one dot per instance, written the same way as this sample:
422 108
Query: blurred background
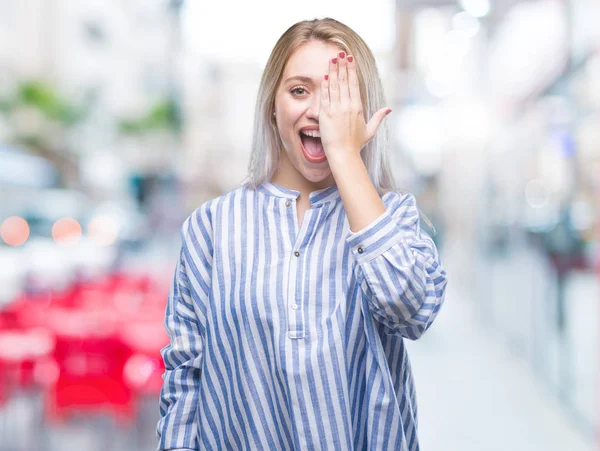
119 117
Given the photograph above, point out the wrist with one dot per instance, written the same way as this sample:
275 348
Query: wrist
344 161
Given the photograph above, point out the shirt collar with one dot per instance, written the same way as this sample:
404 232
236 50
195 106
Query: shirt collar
331 193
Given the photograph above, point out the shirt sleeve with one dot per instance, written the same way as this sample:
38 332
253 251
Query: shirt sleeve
177 427
402 276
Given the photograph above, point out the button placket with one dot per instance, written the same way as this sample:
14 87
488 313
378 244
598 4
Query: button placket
295 304
296 326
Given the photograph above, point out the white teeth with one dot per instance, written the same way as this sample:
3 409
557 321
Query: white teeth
311 133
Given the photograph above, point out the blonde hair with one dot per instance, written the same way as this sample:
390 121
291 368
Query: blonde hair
266 143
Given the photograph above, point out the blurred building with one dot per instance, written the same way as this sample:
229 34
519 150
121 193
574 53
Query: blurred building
499 105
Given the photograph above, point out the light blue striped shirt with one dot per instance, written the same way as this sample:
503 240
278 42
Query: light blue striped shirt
288 336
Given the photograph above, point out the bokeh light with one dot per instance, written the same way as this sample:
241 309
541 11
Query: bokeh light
14 231
66 231
537 194
103 230
476 8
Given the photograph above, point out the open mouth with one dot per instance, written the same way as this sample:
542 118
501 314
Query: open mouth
312 147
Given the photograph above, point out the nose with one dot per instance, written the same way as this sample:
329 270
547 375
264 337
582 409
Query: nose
313 108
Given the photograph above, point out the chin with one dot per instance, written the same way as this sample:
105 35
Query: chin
316 175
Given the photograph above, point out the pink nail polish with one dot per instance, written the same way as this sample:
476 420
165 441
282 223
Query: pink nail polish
342 55
350 59
334 60
326 77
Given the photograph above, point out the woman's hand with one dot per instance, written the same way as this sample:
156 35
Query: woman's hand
341 121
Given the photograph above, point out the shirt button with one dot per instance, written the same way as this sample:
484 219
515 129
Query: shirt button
295 306
288 203
297 254
360 250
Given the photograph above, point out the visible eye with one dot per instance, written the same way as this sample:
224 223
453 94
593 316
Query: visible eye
298 91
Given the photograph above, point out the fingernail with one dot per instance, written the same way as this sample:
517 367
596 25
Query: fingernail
326 77
388 111
350 59
342 55
334 60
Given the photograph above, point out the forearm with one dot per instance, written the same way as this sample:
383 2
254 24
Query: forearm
361 200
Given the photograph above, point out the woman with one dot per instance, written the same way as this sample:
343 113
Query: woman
294 292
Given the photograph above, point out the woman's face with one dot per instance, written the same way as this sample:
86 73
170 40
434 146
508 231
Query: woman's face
297 108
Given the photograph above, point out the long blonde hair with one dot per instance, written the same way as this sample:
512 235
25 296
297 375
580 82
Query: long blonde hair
266 143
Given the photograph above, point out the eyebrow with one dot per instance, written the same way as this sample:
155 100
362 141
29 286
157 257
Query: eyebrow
300 78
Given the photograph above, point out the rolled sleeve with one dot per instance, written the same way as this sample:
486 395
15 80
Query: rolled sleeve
375 239
402 275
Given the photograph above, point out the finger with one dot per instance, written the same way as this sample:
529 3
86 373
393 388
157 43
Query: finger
334 88
343 79
375 122
353 87
324 105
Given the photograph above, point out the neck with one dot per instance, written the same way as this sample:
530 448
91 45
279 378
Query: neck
290 178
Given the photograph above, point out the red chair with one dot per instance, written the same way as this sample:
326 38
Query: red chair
20 352
90 358
106 341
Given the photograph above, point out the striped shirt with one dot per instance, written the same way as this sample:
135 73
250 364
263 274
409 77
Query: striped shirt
290 336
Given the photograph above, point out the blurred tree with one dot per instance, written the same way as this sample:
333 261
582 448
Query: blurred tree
163 116
40 119
44 98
